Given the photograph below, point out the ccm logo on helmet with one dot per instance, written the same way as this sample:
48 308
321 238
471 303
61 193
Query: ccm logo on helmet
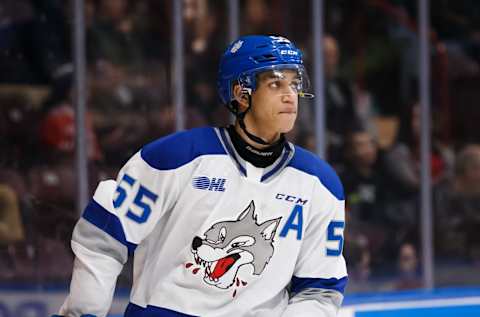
288 52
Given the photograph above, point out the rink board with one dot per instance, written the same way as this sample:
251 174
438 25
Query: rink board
452 302
449 302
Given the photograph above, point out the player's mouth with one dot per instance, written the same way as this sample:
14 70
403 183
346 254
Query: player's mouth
216 269
288 111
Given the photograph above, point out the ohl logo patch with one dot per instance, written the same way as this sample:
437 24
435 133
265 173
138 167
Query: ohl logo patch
205 183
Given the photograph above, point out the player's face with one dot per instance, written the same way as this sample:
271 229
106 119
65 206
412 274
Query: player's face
275 102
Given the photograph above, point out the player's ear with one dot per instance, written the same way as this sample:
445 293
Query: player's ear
241 97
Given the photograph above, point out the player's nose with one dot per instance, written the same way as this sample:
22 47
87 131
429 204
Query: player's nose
196 243
288 98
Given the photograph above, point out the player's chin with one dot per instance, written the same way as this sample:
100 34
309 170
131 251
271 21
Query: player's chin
286 123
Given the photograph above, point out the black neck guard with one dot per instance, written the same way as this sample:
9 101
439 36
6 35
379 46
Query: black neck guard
258 157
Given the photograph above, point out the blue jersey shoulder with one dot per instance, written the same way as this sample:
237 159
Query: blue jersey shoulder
177 149
309 163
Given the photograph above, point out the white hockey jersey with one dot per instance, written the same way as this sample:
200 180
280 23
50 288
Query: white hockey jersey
213 235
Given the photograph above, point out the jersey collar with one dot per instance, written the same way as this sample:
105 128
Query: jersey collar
270 171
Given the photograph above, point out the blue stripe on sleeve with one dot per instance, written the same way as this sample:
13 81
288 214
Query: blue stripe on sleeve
108 222
301 283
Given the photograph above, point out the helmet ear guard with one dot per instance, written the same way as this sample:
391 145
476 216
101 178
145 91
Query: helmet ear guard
246 91
234 106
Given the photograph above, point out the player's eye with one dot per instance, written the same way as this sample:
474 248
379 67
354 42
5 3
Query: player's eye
274 84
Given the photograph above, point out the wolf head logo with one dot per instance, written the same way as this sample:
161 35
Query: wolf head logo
228 245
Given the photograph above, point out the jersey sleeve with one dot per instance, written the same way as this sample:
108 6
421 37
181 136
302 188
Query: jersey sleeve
120 216
320 274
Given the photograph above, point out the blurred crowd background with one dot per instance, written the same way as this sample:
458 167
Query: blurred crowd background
372 112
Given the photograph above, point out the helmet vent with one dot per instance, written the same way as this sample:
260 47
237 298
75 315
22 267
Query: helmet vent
265 58
261 46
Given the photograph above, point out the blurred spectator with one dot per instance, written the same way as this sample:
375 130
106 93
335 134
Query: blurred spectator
112 37
357 254
18 115
119 73
457 24
257 17
403 165
366 187
11 227
371 56
366 110
340 112
53 180
201 22
303 137
204 44
364 177
57 133
127 76
457 208
408 274
120 133
11 230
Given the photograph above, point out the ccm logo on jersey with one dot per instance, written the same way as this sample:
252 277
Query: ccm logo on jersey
205 183
292 199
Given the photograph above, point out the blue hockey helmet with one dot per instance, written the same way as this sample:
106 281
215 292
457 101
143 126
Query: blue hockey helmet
253 54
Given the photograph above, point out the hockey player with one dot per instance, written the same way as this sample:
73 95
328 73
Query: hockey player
230 221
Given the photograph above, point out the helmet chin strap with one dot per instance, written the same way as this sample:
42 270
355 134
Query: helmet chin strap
241 116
